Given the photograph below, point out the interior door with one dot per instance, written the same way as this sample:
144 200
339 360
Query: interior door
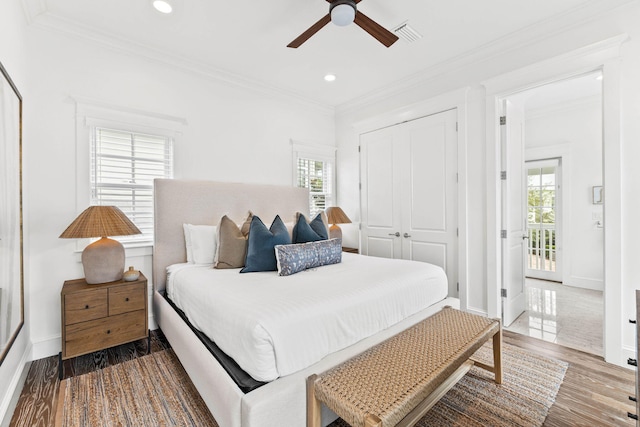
429 192
380 195
513 212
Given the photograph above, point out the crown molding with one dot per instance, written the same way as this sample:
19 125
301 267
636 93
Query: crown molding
525 37
33 9
48 21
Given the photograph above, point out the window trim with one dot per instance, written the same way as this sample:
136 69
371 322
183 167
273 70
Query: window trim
92 113
313 151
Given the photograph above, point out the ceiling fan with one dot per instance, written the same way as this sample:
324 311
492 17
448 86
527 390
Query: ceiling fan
342 13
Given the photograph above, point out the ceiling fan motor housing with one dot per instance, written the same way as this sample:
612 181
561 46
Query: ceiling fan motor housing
342 16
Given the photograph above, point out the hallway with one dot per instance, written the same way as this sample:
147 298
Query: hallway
572 317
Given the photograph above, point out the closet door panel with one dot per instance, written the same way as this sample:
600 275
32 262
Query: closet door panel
430 193
427 183
433 253
409 192
380 196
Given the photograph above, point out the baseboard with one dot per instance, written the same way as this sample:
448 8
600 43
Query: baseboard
585 283
10 399
153 325
45 348
477 311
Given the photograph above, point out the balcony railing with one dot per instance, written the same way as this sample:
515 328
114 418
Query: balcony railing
541 249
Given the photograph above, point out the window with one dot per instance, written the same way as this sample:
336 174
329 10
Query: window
314 169
123 167
316 176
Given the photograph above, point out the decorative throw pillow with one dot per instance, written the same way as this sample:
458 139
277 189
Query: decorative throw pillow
261 241
232 244
200 243
312 231
294 258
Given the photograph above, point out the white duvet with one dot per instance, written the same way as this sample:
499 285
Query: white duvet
273 326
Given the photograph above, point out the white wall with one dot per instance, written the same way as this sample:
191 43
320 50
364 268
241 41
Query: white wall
232 134
460 74
12 27
574 131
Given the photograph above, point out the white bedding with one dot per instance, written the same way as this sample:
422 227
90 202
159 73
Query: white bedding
273 326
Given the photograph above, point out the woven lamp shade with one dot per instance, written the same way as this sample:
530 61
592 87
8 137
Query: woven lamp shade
100 221
335 215
102 260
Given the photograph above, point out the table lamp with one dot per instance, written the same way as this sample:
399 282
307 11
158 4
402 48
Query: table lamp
102 260
335 215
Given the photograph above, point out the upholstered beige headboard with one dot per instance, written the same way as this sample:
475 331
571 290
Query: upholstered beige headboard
180 202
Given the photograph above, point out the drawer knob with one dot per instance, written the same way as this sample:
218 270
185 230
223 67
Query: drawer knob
86 307
108 331
126 299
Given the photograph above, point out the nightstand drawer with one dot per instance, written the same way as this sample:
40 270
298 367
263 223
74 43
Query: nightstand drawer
85 306
124 299
97 334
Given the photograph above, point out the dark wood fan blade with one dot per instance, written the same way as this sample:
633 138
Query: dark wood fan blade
311 31
383 35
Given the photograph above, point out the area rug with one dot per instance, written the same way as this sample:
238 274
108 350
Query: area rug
155 390
529 388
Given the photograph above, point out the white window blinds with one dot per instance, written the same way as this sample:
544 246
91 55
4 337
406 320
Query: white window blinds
123 167
316 175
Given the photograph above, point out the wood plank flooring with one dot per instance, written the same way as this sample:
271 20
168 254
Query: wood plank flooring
593 393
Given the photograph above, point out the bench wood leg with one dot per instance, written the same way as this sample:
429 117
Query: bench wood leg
497 355
429 402
371 420
314 406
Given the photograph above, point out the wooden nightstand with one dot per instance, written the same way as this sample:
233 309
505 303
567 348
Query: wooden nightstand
351 250
95 317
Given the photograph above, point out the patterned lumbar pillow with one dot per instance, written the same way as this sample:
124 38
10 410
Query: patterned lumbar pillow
261 241
302 256
312 231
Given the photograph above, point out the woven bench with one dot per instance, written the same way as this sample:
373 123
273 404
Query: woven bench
396 382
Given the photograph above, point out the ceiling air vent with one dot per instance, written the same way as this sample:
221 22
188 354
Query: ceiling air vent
405 32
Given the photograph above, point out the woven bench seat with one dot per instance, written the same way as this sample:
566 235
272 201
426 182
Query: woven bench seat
397 381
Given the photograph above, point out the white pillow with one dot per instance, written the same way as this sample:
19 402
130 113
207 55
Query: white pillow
200 243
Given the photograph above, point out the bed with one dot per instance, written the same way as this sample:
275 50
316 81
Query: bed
281 399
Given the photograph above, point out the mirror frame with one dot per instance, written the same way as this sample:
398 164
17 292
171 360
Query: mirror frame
4 351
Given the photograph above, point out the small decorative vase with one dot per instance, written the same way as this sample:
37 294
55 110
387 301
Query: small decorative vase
130 275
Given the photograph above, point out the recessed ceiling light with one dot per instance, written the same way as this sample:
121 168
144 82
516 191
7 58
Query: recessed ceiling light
330 77
162 6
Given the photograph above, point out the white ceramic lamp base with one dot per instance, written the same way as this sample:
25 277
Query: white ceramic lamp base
103 261
335 232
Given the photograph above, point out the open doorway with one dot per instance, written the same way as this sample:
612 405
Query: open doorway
562 221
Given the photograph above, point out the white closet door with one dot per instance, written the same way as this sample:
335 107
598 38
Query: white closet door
429 192
380 195
409 192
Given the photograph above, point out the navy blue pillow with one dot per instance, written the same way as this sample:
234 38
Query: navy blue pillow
261 255
304 231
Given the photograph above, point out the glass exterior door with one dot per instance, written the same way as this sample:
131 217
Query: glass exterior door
543 219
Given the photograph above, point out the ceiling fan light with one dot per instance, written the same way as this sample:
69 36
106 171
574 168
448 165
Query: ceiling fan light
163 6
343 12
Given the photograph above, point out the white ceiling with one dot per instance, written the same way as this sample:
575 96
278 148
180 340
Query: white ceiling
246 40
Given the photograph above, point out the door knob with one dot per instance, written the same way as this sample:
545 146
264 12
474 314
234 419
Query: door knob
397 234
406 235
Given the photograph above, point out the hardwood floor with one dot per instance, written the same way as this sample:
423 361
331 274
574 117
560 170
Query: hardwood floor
593 393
